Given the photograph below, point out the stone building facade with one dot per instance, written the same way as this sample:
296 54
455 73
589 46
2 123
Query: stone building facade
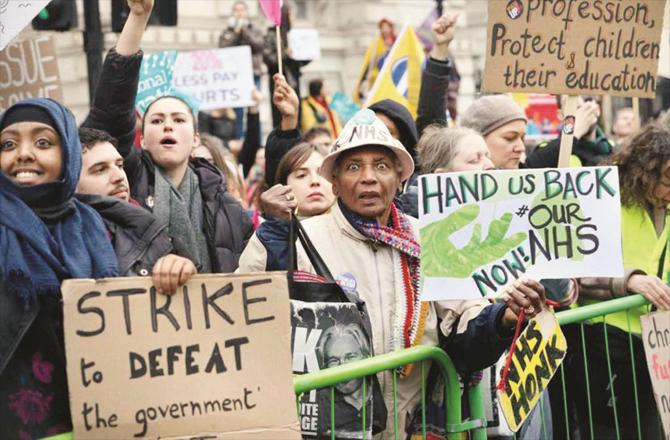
345 27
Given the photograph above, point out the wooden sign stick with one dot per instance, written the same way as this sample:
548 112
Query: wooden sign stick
279 56
568 134
636 113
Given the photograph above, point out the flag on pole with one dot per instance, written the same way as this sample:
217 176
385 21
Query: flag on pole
400 76
272 10
373 60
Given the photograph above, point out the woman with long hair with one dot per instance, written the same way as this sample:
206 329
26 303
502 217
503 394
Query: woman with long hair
644 182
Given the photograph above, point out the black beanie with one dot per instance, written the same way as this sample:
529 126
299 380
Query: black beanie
26 113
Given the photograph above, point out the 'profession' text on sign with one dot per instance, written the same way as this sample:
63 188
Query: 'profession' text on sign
573 46
142 364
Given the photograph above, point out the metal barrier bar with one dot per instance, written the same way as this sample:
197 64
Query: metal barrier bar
603 308
390 361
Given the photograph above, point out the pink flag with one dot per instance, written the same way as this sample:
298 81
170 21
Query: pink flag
272 10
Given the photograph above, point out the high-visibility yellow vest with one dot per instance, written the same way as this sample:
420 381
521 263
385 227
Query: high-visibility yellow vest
642 249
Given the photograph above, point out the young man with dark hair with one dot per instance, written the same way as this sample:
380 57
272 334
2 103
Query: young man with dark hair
140 240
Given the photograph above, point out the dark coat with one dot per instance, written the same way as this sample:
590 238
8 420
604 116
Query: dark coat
226 224
139 238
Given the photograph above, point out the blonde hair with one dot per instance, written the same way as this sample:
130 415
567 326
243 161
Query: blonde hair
437 146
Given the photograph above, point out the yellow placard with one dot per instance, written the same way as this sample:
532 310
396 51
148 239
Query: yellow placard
539 352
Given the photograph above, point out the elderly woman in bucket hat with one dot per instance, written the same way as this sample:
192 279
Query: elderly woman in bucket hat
373 249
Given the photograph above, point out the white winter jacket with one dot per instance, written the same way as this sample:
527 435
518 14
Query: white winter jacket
368 267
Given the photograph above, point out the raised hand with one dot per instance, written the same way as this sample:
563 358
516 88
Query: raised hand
443 31
439 256
140 7
286 101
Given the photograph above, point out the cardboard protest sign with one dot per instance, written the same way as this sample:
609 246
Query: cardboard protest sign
480 231
156 75
15 15
596 47
214 359
304 44
211 79
217 78
656 339
539 352
29 69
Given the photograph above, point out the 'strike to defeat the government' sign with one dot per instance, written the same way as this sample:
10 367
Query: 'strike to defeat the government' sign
573 47
480 231
195 364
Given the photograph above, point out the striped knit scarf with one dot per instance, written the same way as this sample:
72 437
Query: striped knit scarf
410 314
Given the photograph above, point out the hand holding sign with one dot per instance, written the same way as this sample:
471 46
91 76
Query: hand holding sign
460 263
527 295
286 101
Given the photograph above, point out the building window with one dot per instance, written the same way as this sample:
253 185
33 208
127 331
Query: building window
300 9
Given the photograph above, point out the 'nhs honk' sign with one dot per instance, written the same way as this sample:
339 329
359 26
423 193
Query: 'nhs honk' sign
539 352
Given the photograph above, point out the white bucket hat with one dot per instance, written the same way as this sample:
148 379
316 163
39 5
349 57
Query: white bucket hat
366 130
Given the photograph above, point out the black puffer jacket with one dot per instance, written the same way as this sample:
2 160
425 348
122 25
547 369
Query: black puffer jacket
227 226
139 238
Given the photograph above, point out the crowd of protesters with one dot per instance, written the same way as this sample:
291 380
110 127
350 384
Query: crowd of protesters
88 203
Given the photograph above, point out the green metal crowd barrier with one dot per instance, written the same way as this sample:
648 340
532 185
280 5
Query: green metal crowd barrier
420 356
475 423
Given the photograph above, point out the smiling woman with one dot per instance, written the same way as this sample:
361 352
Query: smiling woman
30 148
46 236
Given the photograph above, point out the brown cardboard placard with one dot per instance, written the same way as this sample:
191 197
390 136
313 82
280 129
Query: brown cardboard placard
656 340
213 360
29 69
573 47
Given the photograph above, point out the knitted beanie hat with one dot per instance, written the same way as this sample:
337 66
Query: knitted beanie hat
491 112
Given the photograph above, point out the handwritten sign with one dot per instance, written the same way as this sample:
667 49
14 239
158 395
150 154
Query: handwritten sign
218 78
480 231
29 69
539 352
141 364
15 15
597 47
304 44
656 339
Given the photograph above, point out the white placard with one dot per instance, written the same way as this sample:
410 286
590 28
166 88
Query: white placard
304 44
480 231
217 78
15 15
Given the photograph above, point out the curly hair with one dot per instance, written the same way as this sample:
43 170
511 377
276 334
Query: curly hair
641 162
